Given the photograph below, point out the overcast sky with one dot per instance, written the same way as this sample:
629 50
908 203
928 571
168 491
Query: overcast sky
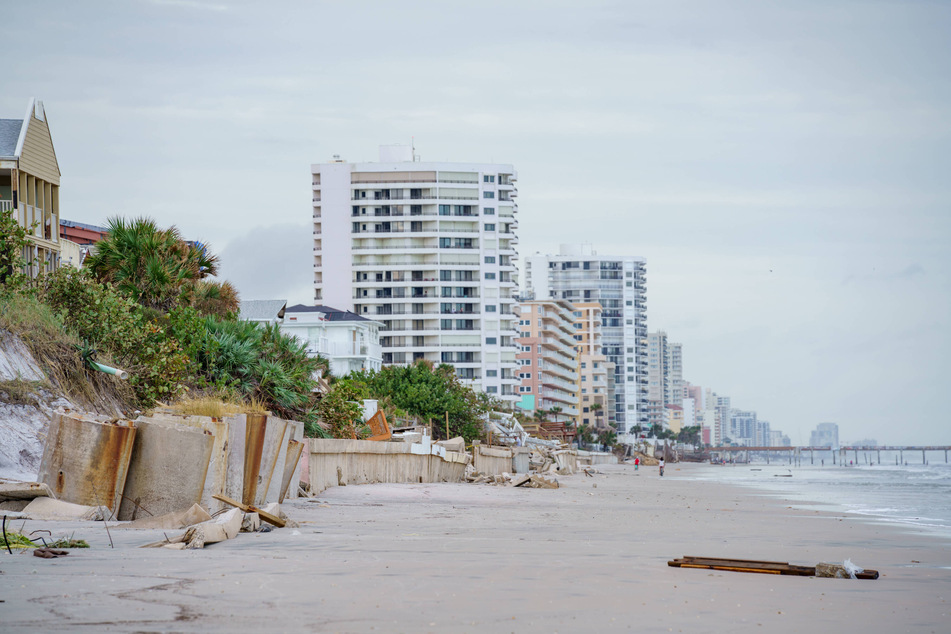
783 166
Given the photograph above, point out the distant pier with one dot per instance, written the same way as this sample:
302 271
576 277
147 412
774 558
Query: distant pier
795 454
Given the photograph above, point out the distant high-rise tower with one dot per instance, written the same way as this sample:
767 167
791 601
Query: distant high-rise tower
548 361
658 377
429 250
595 372
825 435
675 370
618 283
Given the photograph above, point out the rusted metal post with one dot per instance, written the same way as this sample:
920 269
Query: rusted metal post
256 425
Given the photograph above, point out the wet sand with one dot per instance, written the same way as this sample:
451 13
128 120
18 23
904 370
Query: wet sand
590 556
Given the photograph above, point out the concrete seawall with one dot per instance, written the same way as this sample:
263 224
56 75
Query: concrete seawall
334 462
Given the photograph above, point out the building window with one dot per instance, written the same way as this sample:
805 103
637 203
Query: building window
488 194
490 308
490 276
443 210
491 372
489 211
490 259
491 341
489 226
492 389
488 179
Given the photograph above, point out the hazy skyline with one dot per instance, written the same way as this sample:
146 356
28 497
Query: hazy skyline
782 166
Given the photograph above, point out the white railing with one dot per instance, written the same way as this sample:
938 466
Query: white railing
6 206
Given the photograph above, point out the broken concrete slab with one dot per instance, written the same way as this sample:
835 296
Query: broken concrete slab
45 508
224 527
218 462
521 480
174 520
294 450
457 444
168 468
251 523
86 458
544 482
20 490
277 434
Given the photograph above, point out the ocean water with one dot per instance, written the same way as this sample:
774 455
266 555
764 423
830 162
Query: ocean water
915 496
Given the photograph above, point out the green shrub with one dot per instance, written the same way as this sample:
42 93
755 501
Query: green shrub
108 321
262 363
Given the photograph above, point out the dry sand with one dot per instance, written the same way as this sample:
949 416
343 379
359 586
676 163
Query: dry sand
588 557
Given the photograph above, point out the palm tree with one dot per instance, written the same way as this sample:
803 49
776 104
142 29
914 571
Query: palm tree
597 409
154 266
219 299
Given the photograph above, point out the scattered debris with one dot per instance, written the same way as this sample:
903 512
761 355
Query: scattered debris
174 520
274 519
49 553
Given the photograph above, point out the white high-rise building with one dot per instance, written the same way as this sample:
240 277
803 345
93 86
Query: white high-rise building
428 250
618 283
675 368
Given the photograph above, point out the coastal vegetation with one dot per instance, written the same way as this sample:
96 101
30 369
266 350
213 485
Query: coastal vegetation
145 302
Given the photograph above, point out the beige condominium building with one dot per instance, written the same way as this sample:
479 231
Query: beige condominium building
547 358
29 184
595 372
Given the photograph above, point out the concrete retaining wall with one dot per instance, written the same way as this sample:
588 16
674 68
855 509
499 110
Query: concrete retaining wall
596 457
492 460
168 468
334 461
86 460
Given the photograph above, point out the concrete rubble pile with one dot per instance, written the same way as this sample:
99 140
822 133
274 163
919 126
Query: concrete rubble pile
516 458
213 477
530 480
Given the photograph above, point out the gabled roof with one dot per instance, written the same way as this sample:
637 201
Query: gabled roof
262 309
330 314
9 136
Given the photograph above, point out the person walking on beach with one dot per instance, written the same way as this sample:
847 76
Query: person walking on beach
662 467
637 462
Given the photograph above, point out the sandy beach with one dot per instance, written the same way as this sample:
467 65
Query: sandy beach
589 556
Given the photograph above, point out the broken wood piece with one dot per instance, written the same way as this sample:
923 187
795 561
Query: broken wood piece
247 508
755 566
